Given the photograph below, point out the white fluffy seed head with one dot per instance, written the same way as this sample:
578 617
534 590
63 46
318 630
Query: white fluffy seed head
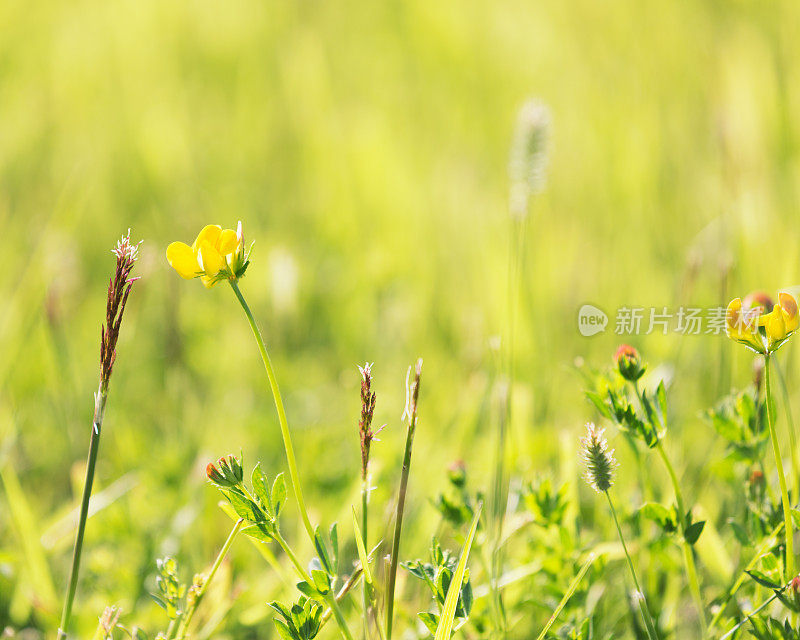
598 458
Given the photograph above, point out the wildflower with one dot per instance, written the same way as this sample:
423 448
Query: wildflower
741 325
216 254
781 322
457 473
228 475
764 332
600 461
629 363
758 299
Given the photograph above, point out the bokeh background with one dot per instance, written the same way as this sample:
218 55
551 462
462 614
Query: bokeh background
365 148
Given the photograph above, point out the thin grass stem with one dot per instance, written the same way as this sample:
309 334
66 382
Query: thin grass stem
568 594
187 619
648 619
91 463
412 391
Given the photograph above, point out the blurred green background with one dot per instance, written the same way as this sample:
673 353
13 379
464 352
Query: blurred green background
365 148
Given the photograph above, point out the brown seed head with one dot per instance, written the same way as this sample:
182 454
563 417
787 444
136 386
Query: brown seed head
119 287
366 435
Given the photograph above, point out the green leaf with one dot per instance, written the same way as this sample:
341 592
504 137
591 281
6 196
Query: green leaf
664 517
321 581
322 552
599 404
430 620
762 579
261 489
693 531
283 630
362 551
278 494
334 536
259 531
445 626
245 507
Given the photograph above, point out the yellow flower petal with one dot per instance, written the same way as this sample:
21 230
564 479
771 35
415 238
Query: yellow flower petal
208 282
742 326
228 242
774 325
790 312
181 258
210 259
211 233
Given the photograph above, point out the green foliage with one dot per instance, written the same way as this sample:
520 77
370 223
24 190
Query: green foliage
546 504
171 591
740 418
437 574
300 622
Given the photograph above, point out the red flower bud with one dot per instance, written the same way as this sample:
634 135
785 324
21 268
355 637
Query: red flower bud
629 363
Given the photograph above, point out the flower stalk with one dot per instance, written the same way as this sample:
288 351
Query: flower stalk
776 450
284 425
686 548
290 457
119 288
410 415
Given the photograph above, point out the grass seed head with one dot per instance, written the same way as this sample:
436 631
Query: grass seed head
527 166
119 287
599 459
365 432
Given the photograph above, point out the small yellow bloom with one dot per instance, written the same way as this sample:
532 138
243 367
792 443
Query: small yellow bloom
741 325
781 322
762 332
216 254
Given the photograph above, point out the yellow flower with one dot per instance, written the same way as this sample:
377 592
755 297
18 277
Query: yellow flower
781 322
762 332
741 325
216 254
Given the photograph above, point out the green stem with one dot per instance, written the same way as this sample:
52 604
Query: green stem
571 590
648 619
276 394
768 543
364 587
171 628
787 509
287 444
330 597
688 554
94 445
787 407
398 525
292 557
183 628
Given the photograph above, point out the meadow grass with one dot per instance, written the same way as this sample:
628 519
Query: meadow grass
366 148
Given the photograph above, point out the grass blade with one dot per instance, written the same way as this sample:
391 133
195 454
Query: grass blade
362 551
572 587
445 628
